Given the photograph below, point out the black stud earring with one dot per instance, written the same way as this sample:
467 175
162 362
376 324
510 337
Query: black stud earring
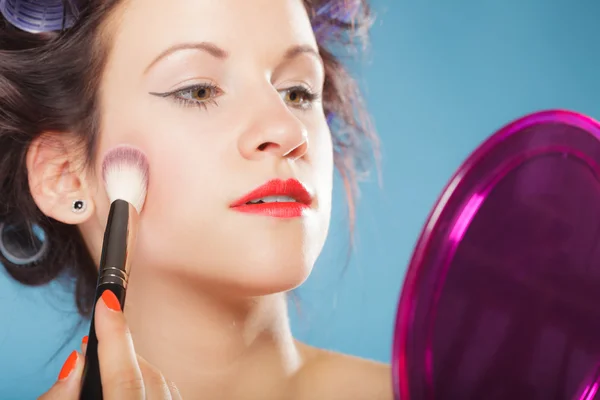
79 206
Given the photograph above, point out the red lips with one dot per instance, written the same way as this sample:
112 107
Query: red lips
281 209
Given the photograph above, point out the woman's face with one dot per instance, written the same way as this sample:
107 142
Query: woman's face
222 96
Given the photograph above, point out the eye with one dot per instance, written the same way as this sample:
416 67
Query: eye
299 97
295 97
196 96
199 94
202 93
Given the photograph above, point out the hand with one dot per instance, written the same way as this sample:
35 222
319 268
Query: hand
125 375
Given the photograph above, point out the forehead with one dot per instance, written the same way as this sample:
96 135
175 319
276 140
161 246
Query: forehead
146 27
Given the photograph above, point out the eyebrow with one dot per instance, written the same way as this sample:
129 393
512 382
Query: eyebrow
207 47
221 54
295 51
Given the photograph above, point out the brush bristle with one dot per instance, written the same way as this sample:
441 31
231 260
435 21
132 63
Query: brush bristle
125 173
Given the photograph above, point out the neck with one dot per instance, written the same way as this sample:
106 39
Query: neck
203 342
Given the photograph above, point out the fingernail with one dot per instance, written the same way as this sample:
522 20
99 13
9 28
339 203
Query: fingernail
68 366
111 300
84 340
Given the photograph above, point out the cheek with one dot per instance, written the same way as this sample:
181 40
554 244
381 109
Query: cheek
322 164
182 180
183 150
177 206
187 192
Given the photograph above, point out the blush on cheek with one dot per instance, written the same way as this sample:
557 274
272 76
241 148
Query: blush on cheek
168 196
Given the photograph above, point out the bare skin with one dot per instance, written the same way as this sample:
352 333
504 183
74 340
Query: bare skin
126 375
206 303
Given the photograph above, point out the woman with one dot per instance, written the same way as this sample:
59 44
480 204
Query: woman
222 96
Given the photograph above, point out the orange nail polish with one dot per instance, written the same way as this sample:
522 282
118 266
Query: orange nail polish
111 300
84 340
68 366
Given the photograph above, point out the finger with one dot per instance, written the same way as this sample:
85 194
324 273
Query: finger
69 380
174 390
119 369
148 370
84 342
155 383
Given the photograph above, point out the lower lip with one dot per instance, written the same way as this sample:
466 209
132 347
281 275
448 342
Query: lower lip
277 210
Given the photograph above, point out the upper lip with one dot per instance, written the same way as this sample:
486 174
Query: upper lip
277 187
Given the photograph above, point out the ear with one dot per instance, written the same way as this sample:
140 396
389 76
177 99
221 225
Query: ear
57 178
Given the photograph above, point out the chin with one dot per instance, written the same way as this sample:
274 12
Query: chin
275 279
260 276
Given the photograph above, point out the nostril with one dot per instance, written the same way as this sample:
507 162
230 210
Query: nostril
267 146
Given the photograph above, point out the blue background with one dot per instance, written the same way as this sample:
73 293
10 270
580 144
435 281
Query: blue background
441 76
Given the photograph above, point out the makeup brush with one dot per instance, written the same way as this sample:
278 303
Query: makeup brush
125 173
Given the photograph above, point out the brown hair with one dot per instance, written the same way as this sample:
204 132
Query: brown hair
49 82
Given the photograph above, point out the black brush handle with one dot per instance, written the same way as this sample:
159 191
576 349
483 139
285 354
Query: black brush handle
119 239
91 383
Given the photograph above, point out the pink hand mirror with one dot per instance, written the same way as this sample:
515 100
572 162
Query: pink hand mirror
502 296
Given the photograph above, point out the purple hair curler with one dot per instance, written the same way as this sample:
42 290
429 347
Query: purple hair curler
37 16
328 16
342 10
502 295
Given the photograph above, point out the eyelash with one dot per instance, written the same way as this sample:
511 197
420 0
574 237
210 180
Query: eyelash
176 96
309 97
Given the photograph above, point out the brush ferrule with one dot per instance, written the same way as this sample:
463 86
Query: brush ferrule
119 242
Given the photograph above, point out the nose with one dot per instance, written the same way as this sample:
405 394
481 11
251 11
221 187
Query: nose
274 133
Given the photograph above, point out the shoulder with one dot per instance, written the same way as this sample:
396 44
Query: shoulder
332 376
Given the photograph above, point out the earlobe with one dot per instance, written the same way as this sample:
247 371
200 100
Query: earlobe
56 180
